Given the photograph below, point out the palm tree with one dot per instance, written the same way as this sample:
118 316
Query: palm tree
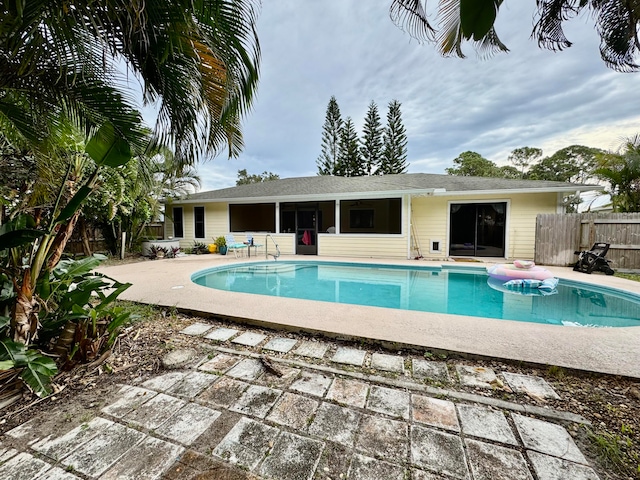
197 60
622 171
617 23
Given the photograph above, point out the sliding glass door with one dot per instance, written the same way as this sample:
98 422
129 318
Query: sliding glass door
477 229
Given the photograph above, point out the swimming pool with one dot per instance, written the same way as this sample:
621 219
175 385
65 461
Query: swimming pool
452 290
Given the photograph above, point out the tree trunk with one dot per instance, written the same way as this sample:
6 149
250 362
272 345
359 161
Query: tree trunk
25 318
61 240
86 245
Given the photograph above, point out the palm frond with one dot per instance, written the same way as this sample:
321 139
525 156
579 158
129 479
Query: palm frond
410 16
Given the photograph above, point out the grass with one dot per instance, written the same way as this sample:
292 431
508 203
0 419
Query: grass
629 276
615 451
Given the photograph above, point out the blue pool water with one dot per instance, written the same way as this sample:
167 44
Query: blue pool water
459 291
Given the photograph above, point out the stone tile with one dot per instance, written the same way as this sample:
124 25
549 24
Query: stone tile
219 364
348 392
552 468
336 424
221 334
492 462
6 453
533 386
59 447
289 374
312 383
280 344
224 392
97 455
548 438
349 356
164 382
130 399
383 438
486 423
388 363
292 458
247 443
155 412
23 466
148 460
197 329
57 473
425 369
422 475
435 412
367 468
478 377
390 401
27 429
334 462
192 384
188 423
311 349
294 411
256 401
247 369
249 339
438 451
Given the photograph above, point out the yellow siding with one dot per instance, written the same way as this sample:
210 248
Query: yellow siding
352 245
431 220
216 223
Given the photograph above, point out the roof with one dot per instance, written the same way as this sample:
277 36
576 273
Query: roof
331 187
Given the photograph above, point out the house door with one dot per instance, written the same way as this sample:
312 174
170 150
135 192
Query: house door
477 229
306 230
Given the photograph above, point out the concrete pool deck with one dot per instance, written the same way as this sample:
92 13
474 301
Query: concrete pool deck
605 350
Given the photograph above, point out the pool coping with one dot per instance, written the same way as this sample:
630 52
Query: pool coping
614 351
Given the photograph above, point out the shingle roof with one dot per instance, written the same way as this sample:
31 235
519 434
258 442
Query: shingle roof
322 186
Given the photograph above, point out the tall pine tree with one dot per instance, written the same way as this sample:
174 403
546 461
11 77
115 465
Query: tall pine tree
328 159
349 160
371 149
394 156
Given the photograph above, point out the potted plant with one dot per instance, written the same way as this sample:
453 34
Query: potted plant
199 248
221 243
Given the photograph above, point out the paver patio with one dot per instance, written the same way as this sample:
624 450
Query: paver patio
316 421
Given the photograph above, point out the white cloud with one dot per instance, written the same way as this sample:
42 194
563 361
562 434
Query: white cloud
350 49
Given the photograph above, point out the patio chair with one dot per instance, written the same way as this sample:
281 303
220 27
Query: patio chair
232 244
594 260
251 243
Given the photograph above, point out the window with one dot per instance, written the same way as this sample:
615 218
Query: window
368 215
178 230
198 219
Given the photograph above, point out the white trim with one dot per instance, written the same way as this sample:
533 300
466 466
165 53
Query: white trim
507 221
407 226
173 225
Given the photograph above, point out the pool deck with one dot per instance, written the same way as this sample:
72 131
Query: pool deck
605 350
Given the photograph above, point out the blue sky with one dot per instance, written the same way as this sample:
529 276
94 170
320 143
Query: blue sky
351 49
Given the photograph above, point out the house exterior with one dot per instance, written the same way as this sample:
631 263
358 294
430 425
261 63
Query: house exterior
390 216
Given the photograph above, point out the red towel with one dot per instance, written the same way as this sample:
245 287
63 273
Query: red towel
306 237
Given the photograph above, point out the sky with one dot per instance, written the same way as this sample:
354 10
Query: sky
531 97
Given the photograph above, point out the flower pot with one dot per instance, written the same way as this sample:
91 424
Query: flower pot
223 250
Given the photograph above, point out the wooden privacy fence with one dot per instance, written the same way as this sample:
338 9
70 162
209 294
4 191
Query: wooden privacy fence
558 236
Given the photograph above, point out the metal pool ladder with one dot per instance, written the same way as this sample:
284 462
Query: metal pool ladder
266 248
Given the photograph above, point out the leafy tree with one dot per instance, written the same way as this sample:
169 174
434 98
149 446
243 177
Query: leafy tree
245 178
616 23
575 164
622 171
394 156
523 157
330 139
349 159
472 164
371 149
507 171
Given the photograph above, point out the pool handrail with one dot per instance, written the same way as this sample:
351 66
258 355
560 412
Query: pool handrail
266 248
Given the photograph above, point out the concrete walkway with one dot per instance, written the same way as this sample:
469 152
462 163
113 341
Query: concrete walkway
305 412
605 350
